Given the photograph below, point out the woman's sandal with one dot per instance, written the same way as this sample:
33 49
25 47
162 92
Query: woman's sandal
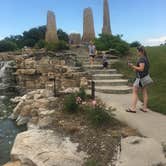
141 109
130 110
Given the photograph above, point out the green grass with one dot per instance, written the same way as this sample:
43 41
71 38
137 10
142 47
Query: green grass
157 91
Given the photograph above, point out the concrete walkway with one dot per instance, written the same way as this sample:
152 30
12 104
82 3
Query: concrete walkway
150 124
148 151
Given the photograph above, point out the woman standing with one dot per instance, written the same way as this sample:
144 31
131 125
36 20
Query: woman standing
92 51
142 80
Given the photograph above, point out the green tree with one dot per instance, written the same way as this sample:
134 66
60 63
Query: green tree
62 35
31 37
17 39
135 44
106 42
7 46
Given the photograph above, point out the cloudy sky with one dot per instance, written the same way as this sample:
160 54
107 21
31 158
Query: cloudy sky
143 20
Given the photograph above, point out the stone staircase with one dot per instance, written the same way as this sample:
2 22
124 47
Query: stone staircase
109 81
106 80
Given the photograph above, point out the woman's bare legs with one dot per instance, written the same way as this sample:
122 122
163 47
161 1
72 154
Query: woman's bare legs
134 98
91 60
145 98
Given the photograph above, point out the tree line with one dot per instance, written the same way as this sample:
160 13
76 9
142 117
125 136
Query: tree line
35 37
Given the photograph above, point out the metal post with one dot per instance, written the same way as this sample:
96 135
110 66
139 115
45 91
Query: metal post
93 90
55 92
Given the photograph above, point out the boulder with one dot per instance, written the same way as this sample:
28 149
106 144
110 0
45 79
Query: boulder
45 148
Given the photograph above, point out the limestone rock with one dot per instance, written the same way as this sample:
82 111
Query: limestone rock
30 64
83 82
88 27
36 106
45 148
51 31
26 71
46 117
16 163
106 19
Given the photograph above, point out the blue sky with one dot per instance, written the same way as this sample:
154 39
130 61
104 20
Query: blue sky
143 20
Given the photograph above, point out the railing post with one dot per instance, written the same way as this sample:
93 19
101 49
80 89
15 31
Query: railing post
93 90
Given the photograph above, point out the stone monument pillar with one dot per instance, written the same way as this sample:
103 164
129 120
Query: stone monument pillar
51 31
88 26
106 19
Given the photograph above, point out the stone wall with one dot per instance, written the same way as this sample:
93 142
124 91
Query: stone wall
39 71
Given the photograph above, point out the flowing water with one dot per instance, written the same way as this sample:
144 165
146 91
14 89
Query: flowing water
8 129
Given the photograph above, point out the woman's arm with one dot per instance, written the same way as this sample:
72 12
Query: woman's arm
138 68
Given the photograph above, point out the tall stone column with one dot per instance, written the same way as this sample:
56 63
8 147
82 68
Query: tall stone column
88 26
51 30
106 19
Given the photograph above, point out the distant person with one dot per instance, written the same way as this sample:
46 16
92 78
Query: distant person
142 80
92 52
105 61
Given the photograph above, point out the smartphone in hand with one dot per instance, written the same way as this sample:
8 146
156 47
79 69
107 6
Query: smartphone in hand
130 64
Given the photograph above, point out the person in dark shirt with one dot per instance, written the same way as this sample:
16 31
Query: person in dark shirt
142 70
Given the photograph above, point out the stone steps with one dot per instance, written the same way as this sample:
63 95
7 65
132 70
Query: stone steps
89 67
106 80
103 71
114 89
97 57
106 76
115 82
100 62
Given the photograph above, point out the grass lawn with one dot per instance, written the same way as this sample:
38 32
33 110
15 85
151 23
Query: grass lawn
157 91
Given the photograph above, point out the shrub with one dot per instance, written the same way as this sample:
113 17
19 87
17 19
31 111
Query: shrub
56 46
70 104
78 64
7 46
106 42
82 94
98 115
91 163
40 44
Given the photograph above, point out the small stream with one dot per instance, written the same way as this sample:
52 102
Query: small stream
8 129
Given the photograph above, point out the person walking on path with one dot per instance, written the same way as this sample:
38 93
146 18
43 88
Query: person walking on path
142 80
92 52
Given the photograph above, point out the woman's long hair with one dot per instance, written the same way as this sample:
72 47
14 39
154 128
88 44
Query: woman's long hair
143 51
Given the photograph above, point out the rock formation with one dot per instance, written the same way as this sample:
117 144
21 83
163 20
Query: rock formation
51 31
88 26
45 148
106 19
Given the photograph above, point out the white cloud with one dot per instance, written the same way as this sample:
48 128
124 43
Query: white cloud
154 41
